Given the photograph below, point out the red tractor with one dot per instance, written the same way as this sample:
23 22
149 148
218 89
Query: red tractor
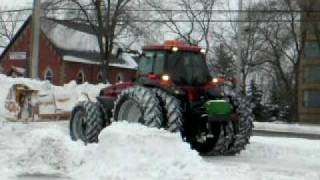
175 91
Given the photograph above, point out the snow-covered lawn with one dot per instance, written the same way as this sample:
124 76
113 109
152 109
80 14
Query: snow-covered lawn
290 128
131 151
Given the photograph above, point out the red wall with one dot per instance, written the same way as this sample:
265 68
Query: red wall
92 72
128 74
73 69
21 44
48 56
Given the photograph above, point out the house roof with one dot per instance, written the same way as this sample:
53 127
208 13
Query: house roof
75 43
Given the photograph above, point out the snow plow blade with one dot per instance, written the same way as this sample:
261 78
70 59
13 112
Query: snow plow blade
26 104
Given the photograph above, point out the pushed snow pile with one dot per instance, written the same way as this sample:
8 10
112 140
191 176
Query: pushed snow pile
71 91
135 152
48 151
125 152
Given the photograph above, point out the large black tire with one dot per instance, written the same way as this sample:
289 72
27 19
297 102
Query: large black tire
138 104
171 107
216 145
86 122
223 141
242 126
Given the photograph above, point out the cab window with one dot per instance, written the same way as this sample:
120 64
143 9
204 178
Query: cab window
146 61
159 63
152 62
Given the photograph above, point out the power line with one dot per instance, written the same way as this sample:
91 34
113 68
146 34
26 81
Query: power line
197 10
211 21
186 20
172 10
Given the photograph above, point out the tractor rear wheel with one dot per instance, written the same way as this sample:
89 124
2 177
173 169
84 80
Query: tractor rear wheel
213 139
242 126
86 122
171 107
138 105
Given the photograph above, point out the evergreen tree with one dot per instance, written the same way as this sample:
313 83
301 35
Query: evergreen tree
255 96
224 64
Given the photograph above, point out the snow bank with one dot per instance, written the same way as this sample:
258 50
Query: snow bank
125 151
48 151
132 151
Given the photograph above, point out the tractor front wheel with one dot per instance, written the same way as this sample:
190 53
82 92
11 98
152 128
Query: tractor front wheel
138 105
172 111
86 122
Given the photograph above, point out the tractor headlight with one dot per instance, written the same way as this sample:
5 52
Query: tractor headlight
215 80
203 51
175 49
165 77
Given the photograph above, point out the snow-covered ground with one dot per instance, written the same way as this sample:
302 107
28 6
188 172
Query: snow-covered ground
290 128
131 151
43 150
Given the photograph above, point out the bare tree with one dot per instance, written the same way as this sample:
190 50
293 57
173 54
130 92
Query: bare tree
107 18
285 44
252 43
196 14
9 24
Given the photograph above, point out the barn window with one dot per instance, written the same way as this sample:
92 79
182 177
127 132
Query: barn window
80 77
120 77
48 75
99 78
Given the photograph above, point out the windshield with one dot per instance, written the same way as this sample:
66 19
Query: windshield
188 68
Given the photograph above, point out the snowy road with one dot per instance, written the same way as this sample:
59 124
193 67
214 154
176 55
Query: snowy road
275 158
266 158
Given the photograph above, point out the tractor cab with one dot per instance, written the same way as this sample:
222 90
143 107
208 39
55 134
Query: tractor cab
175 61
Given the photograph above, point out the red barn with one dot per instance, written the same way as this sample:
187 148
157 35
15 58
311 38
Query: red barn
67 52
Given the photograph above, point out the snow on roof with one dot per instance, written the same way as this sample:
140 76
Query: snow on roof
128 61
79 60
67 38
125 66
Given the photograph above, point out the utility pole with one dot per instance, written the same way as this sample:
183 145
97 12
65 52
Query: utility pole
34 64
239 53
